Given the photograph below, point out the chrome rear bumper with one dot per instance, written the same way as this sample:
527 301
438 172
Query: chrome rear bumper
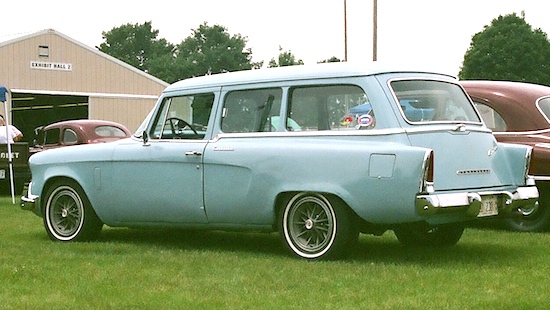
471 202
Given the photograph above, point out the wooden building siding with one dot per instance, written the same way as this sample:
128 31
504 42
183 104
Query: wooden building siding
92 71
116 90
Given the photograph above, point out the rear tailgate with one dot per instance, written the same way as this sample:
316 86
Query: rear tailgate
465 157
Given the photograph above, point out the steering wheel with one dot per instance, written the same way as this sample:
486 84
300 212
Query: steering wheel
177 124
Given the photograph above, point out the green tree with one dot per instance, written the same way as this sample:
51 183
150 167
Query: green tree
286 58
508 49
138 45
211 49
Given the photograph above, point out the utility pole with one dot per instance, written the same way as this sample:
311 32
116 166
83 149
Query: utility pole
345 33
374 30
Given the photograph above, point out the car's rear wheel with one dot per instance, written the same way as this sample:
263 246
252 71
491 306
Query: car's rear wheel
313 226
425 235
533 218
68 214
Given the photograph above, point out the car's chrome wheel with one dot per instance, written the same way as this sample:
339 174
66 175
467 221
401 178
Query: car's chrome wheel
312 227
68 215
533 218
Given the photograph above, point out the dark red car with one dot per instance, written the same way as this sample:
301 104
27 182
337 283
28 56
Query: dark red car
75 132
520 113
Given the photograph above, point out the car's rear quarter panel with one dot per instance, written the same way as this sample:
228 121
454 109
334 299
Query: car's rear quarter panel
378 180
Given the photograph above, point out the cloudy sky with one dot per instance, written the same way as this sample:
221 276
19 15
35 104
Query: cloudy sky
434 33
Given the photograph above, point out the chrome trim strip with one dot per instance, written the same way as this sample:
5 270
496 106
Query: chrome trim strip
319 133
473 171
442 127
533 132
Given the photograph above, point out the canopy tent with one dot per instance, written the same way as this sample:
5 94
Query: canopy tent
5 99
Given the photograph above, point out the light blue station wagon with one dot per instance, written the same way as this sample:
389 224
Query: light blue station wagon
278 150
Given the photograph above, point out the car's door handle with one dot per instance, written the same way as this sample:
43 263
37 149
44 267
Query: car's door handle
196 153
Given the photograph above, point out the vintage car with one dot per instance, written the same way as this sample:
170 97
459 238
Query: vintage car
265 150
73 132
520 113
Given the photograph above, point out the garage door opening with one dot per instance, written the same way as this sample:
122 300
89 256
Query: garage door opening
30 111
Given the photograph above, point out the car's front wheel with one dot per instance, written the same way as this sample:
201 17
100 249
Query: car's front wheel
425 235
68 215
313 226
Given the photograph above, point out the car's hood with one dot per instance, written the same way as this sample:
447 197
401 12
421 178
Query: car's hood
78 153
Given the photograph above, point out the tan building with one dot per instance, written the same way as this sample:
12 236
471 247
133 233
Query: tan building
53 77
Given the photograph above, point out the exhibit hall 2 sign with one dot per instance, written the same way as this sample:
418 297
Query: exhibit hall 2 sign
44 65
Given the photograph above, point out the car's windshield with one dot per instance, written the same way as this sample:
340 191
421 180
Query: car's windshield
424 101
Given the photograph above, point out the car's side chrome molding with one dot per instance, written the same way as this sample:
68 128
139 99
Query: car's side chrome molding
446 127
532 132
326 133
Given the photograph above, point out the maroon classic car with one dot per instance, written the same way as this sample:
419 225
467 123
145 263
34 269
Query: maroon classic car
75 132
520 113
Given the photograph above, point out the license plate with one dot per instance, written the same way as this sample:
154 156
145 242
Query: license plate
489 206
2 174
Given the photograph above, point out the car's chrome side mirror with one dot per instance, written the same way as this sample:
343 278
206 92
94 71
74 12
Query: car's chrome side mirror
145 137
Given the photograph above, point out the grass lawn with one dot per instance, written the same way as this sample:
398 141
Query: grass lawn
176 269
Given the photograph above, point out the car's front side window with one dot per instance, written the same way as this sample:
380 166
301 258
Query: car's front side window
423 101
183 117
330 107
51 137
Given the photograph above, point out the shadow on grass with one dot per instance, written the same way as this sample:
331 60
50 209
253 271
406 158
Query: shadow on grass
370 249
465 253
197 240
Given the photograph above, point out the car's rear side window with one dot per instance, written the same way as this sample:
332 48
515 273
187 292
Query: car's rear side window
255 110
69 136
544 107
329 107
424 101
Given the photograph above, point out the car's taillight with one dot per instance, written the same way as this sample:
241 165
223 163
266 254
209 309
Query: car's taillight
426 185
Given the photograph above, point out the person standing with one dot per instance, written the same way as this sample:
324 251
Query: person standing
12 132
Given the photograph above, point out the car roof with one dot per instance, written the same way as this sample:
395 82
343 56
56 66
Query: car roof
508 89
515 101
299 72
85 123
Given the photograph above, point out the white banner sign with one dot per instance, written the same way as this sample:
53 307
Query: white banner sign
44 65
